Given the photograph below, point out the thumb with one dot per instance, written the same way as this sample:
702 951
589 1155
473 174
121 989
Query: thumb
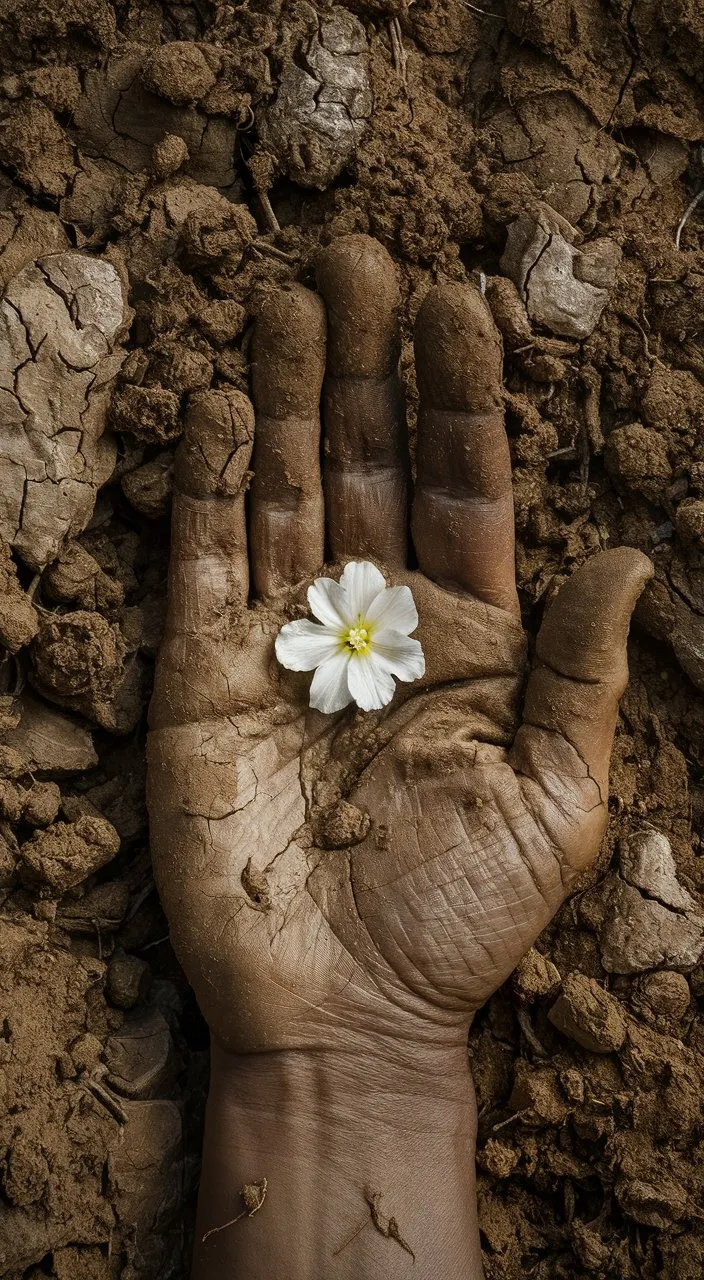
563 747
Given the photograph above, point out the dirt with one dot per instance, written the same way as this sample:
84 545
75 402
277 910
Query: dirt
175 161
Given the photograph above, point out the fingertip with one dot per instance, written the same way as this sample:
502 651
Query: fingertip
455 332
358 280
214 455
288 352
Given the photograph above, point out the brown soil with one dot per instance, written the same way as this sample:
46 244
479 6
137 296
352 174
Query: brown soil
202 152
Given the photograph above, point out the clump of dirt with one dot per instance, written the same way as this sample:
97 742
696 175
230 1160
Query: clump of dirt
162 168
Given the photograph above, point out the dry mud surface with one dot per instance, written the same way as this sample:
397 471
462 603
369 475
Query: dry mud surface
173 161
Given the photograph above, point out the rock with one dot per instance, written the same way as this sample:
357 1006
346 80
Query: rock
66 853
323 102
76 578
564 288
535 977
689 523
638 934
61 323
646 861
128 979
149 413
50 741
138 1056
588 1015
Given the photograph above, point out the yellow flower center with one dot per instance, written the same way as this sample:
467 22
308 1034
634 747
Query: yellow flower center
357 639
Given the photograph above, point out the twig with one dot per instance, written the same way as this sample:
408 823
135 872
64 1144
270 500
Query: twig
499 17
525 1025
399 53
269 216
517 1115
254 1195
687 215
101 1094
272 250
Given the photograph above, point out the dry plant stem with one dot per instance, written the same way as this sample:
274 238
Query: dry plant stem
687 215
369 1162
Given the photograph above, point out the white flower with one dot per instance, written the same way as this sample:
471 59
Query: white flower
361 641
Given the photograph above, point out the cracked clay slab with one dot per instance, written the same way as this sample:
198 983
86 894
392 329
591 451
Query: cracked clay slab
62 319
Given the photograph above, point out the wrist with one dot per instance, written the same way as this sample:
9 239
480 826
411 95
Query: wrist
347 1141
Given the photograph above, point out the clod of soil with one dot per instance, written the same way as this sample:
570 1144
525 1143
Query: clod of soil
67 853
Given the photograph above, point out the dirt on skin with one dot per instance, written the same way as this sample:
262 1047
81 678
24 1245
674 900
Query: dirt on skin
201 153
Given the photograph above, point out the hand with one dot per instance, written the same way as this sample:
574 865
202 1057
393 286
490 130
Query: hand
477 825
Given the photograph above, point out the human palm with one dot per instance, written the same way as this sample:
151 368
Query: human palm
329 878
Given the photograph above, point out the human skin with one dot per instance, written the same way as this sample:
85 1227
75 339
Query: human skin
344 892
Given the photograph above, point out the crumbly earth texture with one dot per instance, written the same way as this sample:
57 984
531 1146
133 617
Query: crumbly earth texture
203 153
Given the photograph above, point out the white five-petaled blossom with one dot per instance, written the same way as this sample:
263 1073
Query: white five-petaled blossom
360 642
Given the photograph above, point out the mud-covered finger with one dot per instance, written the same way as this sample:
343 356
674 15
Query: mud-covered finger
366 464
563 747
286 516
208 568
463 525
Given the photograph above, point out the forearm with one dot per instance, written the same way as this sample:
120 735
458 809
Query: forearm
369 1168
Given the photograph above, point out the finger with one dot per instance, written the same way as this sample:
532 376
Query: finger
564 746
462 524
208 570
286 519
366 448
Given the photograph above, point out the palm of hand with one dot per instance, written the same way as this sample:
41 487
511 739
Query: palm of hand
334 877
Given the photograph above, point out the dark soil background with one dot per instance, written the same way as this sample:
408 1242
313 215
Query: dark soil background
207 151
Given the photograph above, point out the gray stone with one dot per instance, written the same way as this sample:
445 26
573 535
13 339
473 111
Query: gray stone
564 288
647 863
639 934
323 102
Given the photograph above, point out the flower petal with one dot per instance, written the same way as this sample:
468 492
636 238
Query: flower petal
302 645
370 683
328 603
394 608
329 689
400 655
361 582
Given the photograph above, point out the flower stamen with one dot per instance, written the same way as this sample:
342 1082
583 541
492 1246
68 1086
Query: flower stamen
357 639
